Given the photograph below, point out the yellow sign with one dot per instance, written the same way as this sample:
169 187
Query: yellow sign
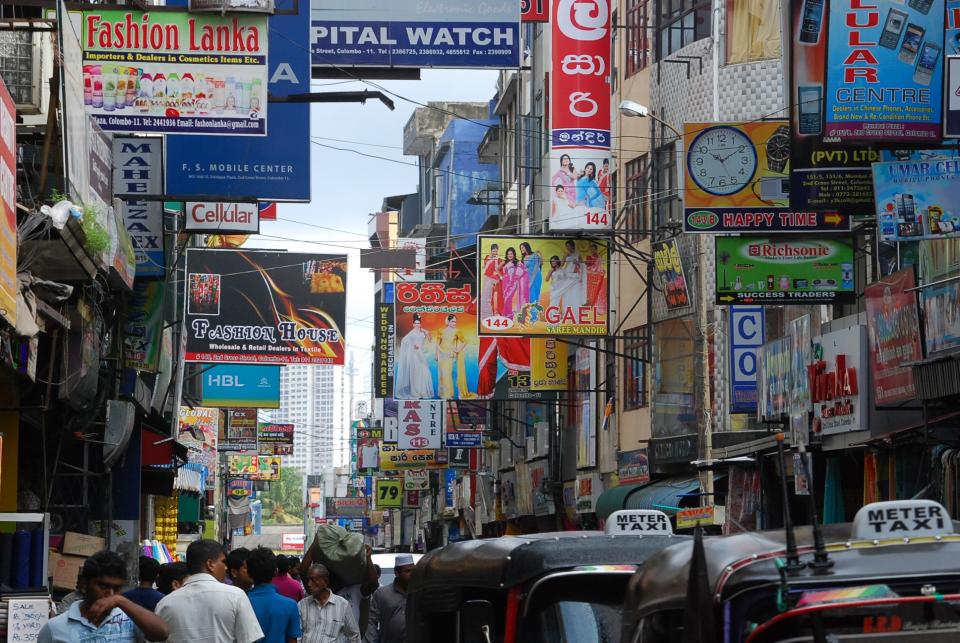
548 364
689 518
389 493
394 459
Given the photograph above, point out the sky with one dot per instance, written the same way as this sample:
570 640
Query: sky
347 187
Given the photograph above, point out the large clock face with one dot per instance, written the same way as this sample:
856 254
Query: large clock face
722 160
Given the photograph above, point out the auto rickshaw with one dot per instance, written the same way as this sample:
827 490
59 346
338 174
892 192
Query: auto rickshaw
563 586
893 574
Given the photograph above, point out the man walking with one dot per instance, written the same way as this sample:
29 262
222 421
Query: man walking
103 613
145 595
237 568
324 615
387 622
278 615
205 610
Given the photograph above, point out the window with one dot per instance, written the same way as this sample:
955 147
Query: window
638 36
680 23
635 368
667 204
637 206
753 30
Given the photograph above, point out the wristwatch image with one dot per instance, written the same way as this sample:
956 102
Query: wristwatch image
778 149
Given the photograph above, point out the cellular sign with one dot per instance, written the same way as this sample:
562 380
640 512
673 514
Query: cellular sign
580 116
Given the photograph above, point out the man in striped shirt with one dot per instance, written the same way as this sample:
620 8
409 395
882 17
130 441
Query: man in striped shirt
325 617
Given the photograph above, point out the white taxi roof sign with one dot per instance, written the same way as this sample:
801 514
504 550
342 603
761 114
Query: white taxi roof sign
638 522
901 519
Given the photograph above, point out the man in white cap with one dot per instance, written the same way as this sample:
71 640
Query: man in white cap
387 622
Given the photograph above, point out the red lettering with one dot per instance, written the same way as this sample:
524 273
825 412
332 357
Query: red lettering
861 56
873 19
411 415
858 4
854 40
851 74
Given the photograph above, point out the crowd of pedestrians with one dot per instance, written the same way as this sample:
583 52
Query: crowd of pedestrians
243 597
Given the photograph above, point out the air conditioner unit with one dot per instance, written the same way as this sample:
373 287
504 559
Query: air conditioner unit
120 417
22 54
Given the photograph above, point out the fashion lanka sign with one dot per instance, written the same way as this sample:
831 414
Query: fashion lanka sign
781 271
543 286
894 336
264 307
174 72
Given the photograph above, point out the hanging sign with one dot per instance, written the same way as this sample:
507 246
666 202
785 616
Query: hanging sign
389 493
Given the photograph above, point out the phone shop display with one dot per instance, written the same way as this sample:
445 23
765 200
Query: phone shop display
918 199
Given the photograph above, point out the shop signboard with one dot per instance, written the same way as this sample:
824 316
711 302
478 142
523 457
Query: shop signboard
579 168
275 439
746 336
239 432
8 206
254 467
548 364
543 286
384 345
917 200
368 453
263 307
784 270
941 322
505 369
508 493
894 327
884 67
221 217
951 119
144 326
798 398
419 246
539 471
436 344
461 435
690 518
138 169
468 414
239 487
416 479
198 429
176 73
389 494
737 179
395 459
240 385
633 467
462 458
669 266
410 33
839 401
72 100
535 10
420 424
345 507
773 379
589 488
411 499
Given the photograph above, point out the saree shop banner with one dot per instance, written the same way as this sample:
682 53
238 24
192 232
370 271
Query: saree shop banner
255 467
175 73
437 345
522 368
894 326
580 116
543 286
264 307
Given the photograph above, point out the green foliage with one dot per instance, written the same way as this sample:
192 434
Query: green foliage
56 196
98 239
283 504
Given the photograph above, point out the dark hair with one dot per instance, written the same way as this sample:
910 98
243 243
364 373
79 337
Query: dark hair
570 244
283 565
417 317
592 165
148 569
237 557
526 245
554 258
514 251
451 316
103 564
262 563
569 160
170 572
199 552
494 246
558 187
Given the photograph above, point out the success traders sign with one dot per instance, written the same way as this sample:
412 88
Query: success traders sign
760 270
264 307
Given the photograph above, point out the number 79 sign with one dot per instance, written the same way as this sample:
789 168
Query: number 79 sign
389 493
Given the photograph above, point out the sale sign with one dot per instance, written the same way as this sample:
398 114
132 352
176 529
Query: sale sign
580 116
421 424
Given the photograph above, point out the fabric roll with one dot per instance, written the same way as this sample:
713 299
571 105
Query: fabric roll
6 558
21 559
37 549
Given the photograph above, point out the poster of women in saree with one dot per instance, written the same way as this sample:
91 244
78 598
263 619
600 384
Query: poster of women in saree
580 116
543 286
198 429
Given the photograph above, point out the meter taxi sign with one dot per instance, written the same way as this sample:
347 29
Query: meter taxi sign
389 493
638 522
901 519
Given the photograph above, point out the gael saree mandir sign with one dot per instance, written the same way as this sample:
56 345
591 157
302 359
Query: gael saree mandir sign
172 72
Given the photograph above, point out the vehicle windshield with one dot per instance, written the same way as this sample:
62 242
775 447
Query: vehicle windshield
575 608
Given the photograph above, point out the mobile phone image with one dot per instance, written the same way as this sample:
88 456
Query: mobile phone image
892 28
923 6
911 43
809 99
810 22
926 63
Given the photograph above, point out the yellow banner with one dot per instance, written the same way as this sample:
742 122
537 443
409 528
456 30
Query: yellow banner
394 459
548 364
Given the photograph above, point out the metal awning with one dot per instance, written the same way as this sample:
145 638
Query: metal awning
615 498
664 495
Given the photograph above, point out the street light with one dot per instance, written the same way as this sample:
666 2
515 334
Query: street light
633 109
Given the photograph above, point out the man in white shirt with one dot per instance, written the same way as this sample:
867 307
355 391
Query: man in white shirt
205 610
324 616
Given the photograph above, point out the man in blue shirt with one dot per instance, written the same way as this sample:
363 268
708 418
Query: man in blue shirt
278 615
104 614
145 595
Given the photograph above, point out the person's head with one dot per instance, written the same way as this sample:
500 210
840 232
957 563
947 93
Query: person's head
606 164
283 565
590 169
207 557
571 246
554 261
594 248
565 160
452 321
559 191
318 580
525 249
295 561
403 569
511 255
262 564
148 570
417 320
379 571
494 249
171 577
237 567
102 575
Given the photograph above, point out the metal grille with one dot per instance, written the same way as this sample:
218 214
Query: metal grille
935 380
16 66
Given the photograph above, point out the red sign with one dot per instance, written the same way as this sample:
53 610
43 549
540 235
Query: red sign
535 10
411 499
894 336
8 206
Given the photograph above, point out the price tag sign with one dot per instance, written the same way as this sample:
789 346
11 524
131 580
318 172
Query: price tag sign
389 494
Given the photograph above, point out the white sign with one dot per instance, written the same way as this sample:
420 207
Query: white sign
418 245
292 541
416 480
420 424
588 489
951 119
839 390
25 619
638 522
901 518
220 217
138 169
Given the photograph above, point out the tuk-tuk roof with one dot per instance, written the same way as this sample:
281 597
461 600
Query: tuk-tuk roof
739 561
510 560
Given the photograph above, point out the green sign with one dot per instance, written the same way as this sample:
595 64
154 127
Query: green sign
763 270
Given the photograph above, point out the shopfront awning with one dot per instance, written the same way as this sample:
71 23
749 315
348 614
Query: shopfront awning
664 495
615 498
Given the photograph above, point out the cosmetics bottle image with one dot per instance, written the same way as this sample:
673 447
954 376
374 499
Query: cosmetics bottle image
146 86
219 95
256 95
87 85
109 90
245 102
120 77
96 91
230 95
159 93
133 82
187 87
173 86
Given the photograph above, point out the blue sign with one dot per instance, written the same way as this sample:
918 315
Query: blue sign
746 336
413 33
450 482
275 167
241 386
464 439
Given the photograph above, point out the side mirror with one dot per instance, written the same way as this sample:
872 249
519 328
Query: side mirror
476 622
